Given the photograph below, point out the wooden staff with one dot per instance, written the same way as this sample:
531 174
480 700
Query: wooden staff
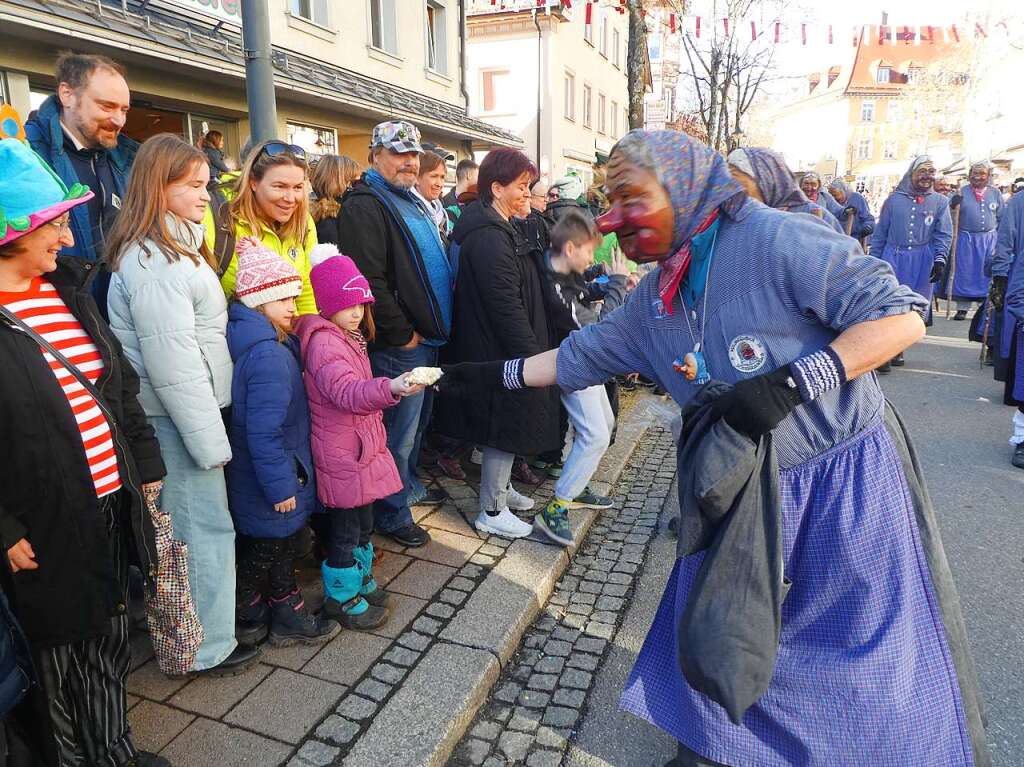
988 308
850 214
955 214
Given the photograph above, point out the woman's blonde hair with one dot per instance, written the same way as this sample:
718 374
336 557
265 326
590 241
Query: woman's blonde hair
161 161
330 179
245 209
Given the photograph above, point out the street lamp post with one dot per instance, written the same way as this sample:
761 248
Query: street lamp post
259 70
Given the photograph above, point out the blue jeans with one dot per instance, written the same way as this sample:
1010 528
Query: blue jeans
405 424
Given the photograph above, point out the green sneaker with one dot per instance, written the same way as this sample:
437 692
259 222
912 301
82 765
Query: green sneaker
554 523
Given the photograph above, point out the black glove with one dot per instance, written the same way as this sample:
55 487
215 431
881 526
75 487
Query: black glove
594 271
848 211
956 200
469 378
938 269
757 405
997 291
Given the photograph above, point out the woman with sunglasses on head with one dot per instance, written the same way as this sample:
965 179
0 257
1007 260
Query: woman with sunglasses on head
77 457
167 309
271 203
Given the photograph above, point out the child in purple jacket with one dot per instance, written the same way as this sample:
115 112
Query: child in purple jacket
353 465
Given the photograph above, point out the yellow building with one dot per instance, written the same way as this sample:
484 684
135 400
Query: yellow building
339 67
540 71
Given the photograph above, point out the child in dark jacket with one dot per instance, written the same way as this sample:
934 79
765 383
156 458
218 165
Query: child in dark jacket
570 306
354 467
271 489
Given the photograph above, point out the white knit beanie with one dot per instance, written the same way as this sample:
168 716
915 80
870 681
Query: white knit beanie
263 276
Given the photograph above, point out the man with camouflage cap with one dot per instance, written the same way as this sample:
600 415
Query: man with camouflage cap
394 241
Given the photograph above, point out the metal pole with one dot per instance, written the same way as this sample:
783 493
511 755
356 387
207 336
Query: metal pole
259 70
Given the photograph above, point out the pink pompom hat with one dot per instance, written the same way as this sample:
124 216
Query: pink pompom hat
337 281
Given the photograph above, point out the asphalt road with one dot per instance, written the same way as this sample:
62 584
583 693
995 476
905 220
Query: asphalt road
960 427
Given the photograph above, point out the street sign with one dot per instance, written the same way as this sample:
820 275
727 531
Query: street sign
227 11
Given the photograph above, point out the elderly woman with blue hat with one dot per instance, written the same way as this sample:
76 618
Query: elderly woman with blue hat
853 203
78 458
766 327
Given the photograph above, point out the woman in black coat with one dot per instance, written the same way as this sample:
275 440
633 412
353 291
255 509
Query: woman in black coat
73 470
499 314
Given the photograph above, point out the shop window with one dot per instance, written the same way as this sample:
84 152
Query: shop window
383 27
569 105
315 140
311 10
437 37
602 113
496 95
587 106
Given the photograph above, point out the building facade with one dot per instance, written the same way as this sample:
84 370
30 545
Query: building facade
663 48
897 95
540 71
339 67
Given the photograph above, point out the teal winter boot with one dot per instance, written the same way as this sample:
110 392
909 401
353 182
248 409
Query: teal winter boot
344 603
370 591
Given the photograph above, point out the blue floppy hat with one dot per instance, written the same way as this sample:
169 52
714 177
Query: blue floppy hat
31 194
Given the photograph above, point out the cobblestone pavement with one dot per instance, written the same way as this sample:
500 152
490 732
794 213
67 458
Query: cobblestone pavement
532 713
311 706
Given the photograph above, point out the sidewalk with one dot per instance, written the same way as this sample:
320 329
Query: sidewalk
403 694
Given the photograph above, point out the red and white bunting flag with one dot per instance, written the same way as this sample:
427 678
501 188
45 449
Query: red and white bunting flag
588 14
955 32
672 23
567 4
979 31
753 30
778 30
803 34
696 27
725 26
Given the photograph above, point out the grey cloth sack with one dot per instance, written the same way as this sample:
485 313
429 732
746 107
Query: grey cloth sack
730 508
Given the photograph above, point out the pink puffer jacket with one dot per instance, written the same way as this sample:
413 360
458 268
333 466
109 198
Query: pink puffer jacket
350 451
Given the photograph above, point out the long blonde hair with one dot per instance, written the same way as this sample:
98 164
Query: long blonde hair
244 208
162 160
330 179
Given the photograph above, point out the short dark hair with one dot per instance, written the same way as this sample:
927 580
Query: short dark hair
574 227
76 69
502 166
463 169
429 161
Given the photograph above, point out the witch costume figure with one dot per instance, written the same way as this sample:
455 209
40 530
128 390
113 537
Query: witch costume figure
811 617
764 175
914 233
981 205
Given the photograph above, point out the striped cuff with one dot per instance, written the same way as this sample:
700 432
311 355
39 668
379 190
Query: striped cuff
512 377
817 373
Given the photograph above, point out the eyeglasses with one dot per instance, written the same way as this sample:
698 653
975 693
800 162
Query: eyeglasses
61 224
277 148
539 196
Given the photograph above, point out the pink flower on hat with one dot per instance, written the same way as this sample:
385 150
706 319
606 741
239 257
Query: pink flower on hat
263 276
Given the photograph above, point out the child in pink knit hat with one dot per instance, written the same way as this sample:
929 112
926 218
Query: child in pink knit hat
354 467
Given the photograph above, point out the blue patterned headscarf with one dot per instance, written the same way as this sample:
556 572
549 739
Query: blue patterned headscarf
696 177
906 185
769 170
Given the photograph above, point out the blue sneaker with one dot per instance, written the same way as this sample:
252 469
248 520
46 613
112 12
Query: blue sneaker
553 521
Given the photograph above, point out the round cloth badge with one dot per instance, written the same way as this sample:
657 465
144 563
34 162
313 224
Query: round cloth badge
747 354
993 206
929 219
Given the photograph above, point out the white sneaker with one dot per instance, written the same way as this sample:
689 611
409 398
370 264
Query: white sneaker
506 524
476 456
518 501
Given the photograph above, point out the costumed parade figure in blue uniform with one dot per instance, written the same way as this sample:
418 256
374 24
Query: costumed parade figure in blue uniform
914 233
981 205
764 175
1007 294
811 617
810 185
851 201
